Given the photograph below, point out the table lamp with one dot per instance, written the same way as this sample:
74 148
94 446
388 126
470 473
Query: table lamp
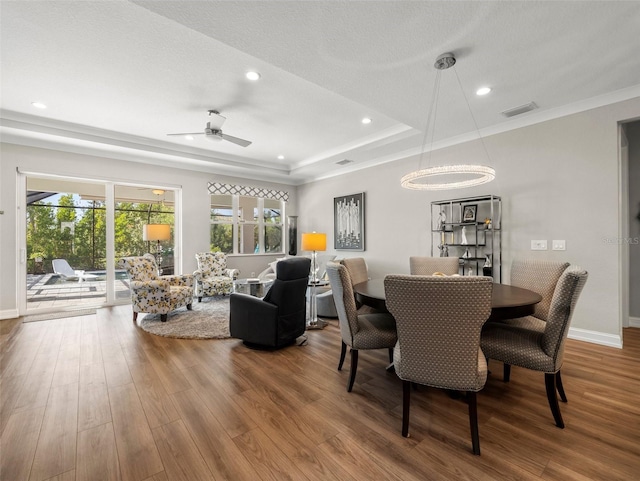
314 242
157 232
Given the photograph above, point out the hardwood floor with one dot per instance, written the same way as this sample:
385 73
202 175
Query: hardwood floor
96 398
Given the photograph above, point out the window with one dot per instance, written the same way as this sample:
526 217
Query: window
246 225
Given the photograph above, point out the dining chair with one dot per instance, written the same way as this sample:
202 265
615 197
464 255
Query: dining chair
427 266
539 276
358 272
359 331
438 323
357 268
535 349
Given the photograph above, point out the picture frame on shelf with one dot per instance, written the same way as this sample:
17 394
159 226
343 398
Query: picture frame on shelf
469 212
348 222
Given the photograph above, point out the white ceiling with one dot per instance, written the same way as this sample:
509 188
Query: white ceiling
117 76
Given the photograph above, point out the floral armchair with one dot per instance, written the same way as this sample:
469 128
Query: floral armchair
156 294
212 277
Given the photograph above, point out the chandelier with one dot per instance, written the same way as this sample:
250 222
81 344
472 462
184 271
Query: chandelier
447 176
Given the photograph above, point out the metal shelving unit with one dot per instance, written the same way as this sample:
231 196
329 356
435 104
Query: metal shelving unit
471 229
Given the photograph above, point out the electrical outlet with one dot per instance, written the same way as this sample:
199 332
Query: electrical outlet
538 245
558 245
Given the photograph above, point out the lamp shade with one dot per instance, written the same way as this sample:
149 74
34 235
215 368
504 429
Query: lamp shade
156 232
314 241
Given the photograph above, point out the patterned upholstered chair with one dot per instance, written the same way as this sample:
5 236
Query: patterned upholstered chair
152 293
357 267
539 276
438 322
358 272
212 277
426 266
359 331
535 349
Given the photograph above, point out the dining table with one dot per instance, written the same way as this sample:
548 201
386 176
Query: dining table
507 302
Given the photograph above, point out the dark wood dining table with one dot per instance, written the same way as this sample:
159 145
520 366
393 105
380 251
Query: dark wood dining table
507 302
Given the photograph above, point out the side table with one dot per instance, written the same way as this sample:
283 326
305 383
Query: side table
313 322
254 287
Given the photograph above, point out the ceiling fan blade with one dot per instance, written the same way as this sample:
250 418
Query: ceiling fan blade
235 140
189 133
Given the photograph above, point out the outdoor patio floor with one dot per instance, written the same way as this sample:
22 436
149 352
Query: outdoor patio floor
48 291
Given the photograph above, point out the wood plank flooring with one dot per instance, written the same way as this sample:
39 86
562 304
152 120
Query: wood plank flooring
96 398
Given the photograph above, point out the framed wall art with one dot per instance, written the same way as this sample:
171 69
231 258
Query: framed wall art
469 213
348 222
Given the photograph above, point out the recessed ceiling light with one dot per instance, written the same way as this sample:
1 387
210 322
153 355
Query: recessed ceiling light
188 137
253 76
281 157
39 105
483 91
366 120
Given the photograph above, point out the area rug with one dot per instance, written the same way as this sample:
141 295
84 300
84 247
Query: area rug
58 315
208 319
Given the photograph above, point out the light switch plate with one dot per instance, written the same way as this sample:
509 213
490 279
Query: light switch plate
539 245
558 245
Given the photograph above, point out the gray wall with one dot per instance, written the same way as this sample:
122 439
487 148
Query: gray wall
633 135
195 204
558 180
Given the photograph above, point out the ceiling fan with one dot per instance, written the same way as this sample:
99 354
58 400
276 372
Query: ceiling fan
213 130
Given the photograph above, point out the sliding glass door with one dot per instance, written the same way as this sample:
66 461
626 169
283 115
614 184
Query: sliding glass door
75 232
65 243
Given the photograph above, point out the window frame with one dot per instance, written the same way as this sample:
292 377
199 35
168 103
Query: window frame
238 220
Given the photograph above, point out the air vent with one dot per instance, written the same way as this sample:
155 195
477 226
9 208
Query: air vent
520 110
344 162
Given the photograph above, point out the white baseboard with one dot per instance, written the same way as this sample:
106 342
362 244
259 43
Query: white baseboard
611 340
9 314
634 321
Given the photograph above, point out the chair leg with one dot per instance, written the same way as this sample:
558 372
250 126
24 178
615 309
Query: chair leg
163 317
135 316
354 367
391 355
473 421
406 402
506 374
343 353
560 388
550 384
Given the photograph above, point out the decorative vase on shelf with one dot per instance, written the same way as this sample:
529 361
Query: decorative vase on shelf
442 219
464 237
293 235
487 268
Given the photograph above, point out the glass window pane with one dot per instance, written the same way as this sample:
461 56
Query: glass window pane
222 238
249 207
273 238
248 242
221 208
65 219
272 211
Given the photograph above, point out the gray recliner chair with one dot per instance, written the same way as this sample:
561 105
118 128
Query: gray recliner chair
279 318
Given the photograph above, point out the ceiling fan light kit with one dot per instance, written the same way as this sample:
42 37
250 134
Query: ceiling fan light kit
461 176
213 131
